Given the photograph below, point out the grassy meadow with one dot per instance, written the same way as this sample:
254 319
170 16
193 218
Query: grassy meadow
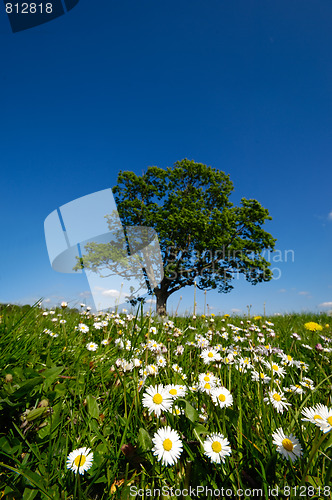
181 407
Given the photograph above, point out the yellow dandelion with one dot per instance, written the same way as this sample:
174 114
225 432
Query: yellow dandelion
313 327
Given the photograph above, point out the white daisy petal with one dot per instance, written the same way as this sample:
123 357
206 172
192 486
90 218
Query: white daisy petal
157 399
216 447
80 460
288 446
167 446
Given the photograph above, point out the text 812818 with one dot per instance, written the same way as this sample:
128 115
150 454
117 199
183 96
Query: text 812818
29 8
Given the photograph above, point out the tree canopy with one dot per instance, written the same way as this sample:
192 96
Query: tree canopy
203 238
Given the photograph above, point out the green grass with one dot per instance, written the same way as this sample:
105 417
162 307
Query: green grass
57 396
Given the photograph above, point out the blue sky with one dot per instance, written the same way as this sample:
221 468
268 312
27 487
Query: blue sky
245 87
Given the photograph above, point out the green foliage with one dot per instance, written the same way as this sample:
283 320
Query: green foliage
203 237
56 396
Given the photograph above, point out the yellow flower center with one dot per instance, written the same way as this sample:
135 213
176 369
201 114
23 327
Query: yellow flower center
210 354
261 375
157 398
329 419
221 397
276 397
167 444
216 447
298 386
207 386
80 460
287 444
206 378
289 358
173 392
275 367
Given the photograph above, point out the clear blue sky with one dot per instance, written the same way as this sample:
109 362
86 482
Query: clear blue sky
245 87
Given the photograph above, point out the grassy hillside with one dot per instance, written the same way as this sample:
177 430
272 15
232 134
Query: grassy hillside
206 407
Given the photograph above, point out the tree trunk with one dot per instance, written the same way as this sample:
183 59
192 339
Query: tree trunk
161 303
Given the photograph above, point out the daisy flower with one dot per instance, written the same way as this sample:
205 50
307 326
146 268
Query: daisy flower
275 368
245 363
287 359
228 360
161 361
210 355
206 387
152 370
177 368
207 377
297 389
167 445
127 366
202 342
91 346
307 383
277 400
80 460
154 347
221 397
203 416
260 376
176 391
177 411
83 328
313 414
288 446
157 399
179 350
325 423
216 447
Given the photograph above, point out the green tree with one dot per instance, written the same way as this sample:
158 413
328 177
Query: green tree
203 238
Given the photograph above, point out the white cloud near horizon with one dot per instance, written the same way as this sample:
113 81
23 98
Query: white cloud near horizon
325 304
111 293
